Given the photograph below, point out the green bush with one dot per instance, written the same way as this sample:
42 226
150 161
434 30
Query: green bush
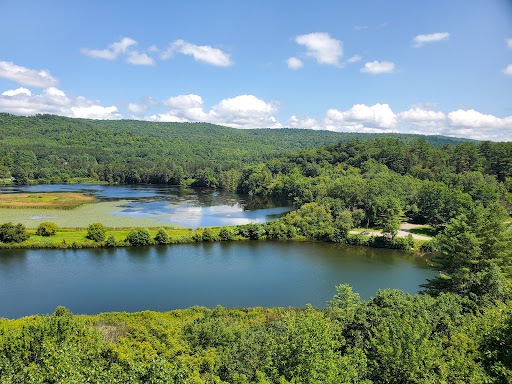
161 236
96 232
197 236
139 236
10 233
111 241
227 234
208 235
47 229
428 246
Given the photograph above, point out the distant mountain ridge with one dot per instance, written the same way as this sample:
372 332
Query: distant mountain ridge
58 128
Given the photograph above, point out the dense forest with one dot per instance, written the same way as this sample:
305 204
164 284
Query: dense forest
459 330
53 149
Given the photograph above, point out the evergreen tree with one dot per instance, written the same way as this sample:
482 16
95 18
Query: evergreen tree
473 256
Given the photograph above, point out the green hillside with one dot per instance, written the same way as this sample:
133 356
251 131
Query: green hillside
52 148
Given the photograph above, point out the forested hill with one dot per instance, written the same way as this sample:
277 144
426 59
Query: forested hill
54 148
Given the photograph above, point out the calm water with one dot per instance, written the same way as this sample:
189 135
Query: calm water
184 206
231 274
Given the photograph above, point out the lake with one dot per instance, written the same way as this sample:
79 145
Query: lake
231 274
147 205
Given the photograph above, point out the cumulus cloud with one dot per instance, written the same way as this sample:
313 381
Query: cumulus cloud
508 70
203 53
509 43
420 119
304 122
378 67
54 101
360 118
322 47
19 91
419 115
294 63
245 111
31 77
421 40
423 119
475 119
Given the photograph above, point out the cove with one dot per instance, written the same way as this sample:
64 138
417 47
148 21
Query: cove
147 206
231 274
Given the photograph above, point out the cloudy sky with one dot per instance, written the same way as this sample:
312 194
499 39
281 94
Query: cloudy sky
430 67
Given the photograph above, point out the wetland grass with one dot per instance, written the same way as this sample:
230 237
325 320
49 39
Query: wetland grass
60 200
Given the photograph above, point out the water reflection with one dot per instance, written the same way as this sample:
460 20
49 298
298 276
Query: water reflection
249 273
170 204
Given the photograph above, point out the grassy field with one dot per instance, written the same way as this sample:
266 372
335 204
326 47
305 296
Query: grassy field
424 231
69 236
61 200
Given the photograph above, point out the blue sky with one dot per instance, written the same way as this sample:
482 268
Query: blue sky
431 67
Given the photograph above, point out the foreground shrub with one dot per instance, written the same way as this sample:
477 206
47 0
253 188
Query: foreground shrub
111 241
139 236
227 234
10 233
161 236
47 229
96 232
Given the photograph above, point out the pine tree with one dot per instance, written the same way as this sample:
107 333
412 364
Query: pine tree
474 256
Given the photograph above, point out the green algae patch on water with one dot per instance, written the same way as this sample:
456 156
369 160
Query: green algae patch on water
58 200
81 217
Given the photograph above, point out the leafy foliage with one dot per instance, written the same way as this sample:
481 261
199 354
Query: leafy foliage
161 237
96 232
47 229
139 236
10 233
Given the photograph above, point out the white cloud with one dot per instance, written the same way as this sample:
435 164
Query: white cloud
509 43
360 118
379 115
423 118
19 91
31 77
245 111
475 119
121 48
113 51
380 118
203 53
378 67
322 47
420 115
355 59
294 63
54 101
508 70
137 58
304 122
421 40
136 107
96 112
